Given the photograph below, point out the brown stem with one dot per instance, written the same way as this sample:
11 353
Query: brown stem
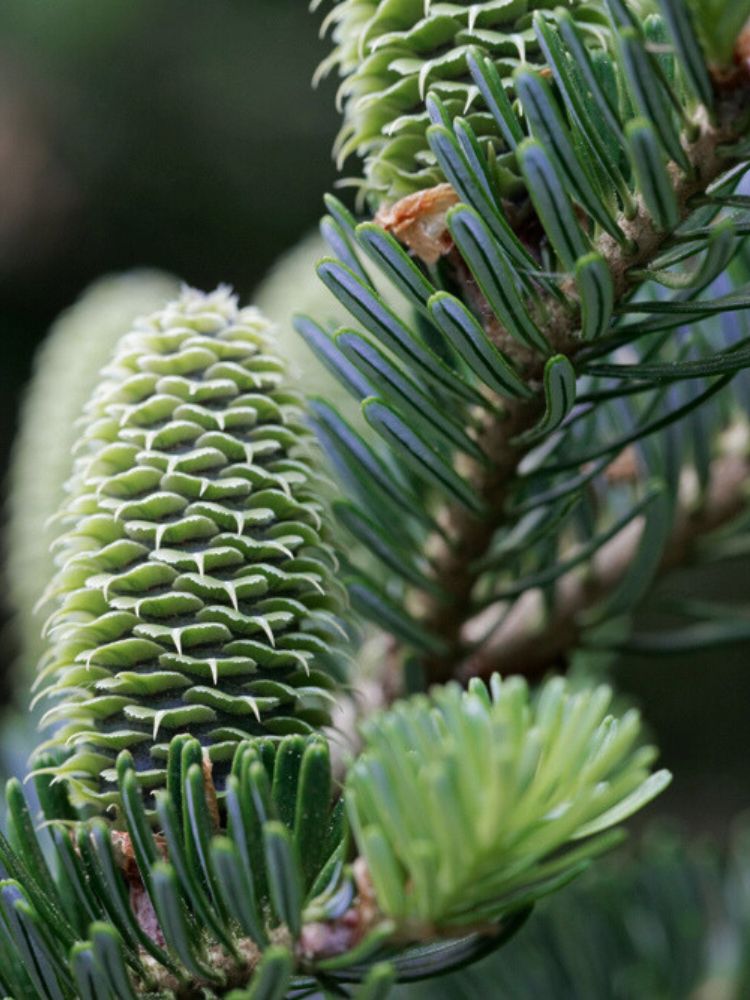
469 536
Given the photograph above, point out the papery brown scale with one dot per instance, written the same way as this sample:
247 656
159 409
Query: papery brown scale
418 221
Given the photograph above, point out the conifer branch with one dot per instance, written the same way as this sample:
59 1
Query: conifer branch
467 536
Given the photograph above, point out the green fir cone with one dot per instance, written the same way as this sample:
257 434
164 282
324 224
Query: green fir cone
390 53
196 589
66 369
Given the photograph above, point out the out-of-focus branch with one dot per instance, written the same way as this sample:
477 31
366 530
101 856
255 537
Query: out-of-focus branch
529 641
467 536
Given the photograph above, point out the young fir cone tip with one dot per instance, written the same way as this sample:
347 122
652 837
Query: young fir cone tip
390 54
196 589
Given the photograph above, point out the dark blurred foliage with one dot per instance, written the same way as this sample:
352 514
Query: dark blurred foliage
184 135
696 704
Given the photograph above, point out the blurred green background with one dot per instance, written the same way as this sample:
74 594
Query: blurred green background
184 135
178 134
